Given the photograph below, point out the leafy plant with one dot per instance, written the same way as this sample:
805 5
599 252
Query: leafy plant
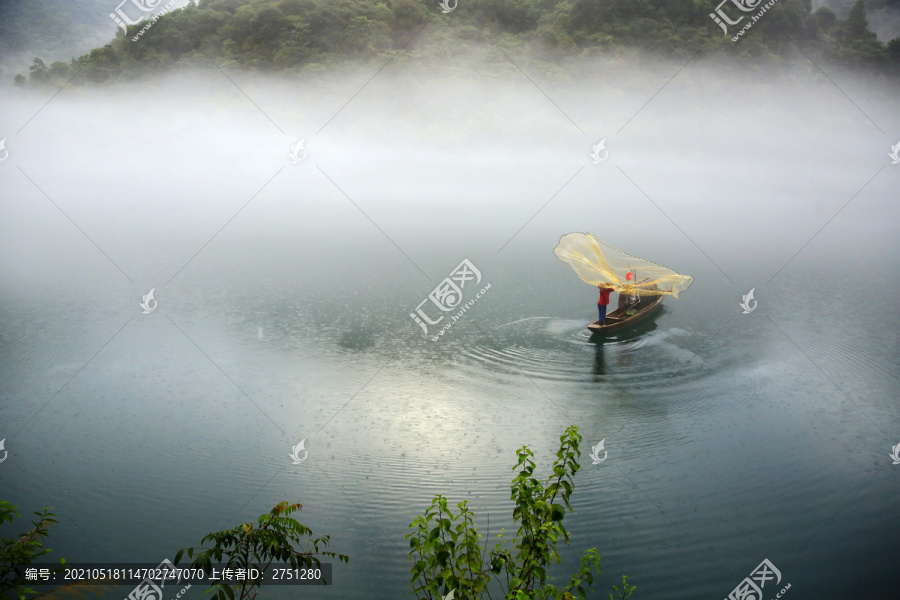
447 556
22 550
626 592
247 547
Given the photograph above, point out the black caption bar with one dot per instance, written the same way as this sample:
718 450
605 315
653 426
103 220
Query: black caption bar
170 576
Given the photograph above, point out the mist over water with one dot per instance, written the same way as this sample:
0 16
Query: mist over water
284 293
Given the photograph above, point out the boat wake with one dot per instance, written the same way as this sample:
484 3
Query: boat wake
525 320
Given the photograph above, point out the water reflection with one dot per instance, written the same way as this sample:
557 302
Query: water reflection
599 368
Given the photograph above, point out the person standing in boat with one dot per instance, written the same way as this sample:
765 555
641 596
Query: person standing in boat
605 290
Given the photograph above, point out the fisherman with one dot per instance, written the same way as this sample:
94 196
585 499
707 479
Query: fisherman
605 290
633 300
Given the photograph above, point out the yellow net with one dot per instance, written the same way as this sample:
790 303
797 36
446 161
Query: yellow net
596 262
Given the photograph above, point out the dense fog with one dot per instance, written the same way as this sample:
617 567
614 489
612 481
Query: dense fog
743 168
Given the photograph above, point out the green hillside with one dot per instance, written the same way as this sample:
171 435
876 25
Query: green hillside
305 35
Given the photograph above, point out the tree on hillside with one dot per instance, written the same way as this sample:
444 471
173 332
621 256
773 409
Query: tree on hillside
857 25
858 44
826 19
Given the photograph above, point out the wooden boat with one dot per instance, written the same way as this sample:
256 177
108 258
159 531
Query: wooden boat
630 310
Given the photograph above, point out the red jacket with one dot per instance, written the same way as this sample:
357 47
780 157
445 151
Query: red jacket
604 296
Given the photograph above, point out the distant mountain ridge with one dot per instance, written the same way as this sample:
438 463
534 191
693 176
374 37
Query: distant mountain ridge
52 29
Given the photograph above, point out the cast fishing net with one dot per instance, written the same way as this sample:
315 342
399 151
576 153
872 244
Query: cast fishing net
597 262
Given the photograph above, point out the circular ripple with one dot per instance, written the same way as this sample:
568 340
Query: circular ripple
647 356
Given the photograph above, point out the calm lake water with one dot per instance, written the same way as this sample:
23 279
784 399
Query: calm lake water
731 437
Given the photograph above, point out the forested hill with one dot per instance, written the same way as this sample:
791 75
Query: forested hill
305 35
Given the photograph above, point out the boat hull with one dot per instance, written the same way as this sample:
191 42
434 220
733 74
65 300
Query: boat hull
618 319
